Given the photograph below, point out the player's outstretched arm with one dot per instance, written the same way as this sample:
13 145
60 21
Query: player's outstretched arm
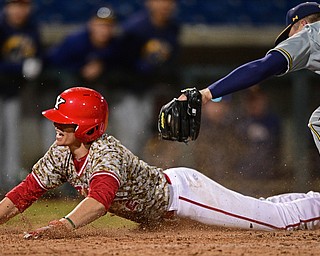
246 75
85 212
7 210
102 191
249 74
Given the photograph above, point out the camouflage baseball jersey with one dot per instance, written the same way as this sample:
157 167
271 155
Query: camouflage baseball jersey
143 194
302 49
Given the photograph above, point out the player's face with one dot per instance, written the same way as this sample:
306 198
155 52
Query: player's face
101 32
18 13
65 134
161 10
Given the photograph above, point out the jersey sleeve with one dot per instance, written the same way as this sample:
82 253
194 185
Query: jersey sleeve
50 170
27 192
249 74
103 187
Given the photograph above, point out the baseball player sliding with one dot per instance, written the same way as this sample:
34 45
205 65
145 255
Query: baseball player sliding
296 48
112 179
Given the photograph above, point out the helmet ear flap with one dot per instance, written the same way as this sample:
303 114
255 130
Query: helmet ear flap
88 134
91 131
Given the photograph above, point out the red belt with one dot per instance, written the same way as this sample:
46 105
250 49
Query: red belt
167 178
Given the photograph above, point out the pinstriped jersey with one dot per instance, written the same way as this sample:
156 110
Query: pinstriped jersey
143 194
302 49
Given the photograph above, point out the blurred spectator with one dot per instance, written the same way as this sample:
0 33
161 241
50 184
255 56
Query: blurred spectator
19 63
260 129
82 56
152 40
150 44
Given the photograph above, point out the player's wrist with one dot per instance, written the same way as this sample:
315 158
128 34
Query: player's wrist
68 222
206 95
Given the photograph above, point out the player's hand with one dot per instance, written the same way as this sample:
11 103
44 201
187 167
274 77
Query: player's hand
55 229
206 96
182 97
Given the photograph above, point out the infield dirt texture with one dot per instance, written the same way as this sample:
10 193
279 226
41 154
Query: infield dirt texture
183 240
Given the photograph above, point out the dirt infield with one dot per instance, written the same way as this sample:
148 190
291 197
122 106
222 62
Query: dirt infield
185 239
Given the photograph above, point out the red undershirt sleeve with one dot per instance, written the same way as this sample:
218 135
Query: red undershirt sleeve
26 193
103 188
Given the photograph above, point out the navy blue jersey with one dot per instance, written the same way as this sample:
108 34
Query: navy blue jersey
17 44
146 47
76 50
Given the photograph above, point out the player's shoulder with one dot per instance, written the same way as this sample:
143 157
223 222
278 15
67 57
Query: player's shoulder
56 150
311 28
311 32
107 139
315 24
107 142
56 154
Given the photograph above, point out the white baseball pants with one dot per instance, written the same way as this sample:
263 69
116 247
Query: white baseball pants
199 198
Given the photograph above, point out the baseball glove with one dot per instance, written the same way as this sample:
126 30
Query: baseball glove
180 120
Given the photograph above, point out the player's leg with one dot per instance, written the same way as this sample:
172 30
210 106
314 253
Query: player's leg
199 198
288 197
314 125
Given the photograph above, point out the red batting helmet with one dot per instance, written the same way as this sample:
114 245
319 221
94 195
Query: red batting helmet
84 107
